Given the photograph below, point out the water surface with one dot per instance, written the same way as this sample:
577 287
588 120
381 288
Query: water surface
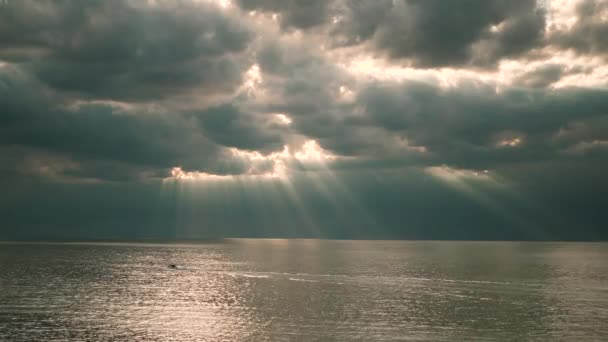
304 290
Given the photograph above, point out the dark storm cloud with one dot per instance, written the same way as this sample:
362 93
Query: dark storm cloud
439 33
30 163
118 50
588 34
228 126
429 32
31 118
472 126
117 141
418 122
306 87
100 140
392 124
124 49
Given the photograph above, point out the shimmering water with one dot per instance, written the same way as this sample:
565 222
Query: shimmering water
304 290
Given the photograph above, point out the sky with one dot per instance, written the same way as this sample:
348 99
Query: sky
384 119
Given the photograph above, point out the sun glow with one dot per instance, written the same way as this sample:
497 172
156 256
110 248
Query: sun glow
311 151
510 142
282 119
179 174
367 68
275 165
224 3
458 176
253 77
274 183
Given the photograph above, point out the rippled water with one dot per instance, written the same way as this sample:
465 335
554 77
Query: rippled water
304 290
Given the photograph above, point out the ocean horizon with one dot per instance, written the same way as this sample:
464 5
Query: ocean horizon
303 290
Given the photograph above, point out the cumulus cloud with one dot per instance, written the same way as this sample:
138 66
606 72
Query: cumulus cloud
125 49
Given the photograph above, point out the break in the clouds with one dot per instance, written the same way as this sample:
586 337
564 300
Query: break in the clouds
343 118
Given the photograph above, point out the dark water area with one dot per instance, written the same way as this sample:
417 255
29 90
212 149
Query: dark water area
304 290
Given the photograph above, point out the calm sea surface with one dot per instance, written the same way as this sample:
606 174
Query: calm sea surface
304 290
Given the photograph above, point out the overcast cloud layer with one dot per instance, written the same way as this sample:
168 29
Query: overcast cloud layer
467 119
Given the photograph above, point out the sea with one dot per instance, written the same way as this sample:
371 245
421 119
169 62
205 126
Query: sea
304 290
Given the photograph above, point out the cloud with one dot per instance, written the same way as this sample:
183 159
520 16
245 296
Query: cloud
125 49
99 129
436 33
587 35
293 13
101 139
541 77
424 33
228 126
463 125
356 115
470 123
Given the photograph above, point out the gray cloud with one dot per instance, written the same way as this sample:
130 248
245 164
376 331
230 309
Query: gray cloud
471 125
122 49
91 129
293 13
418 122
428 33
228 126
464 125
116 141
588 34
542 77
439 33
101 140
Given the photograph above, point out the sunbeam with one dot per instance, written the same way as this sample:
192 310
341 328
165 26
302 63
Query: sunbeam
481 186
